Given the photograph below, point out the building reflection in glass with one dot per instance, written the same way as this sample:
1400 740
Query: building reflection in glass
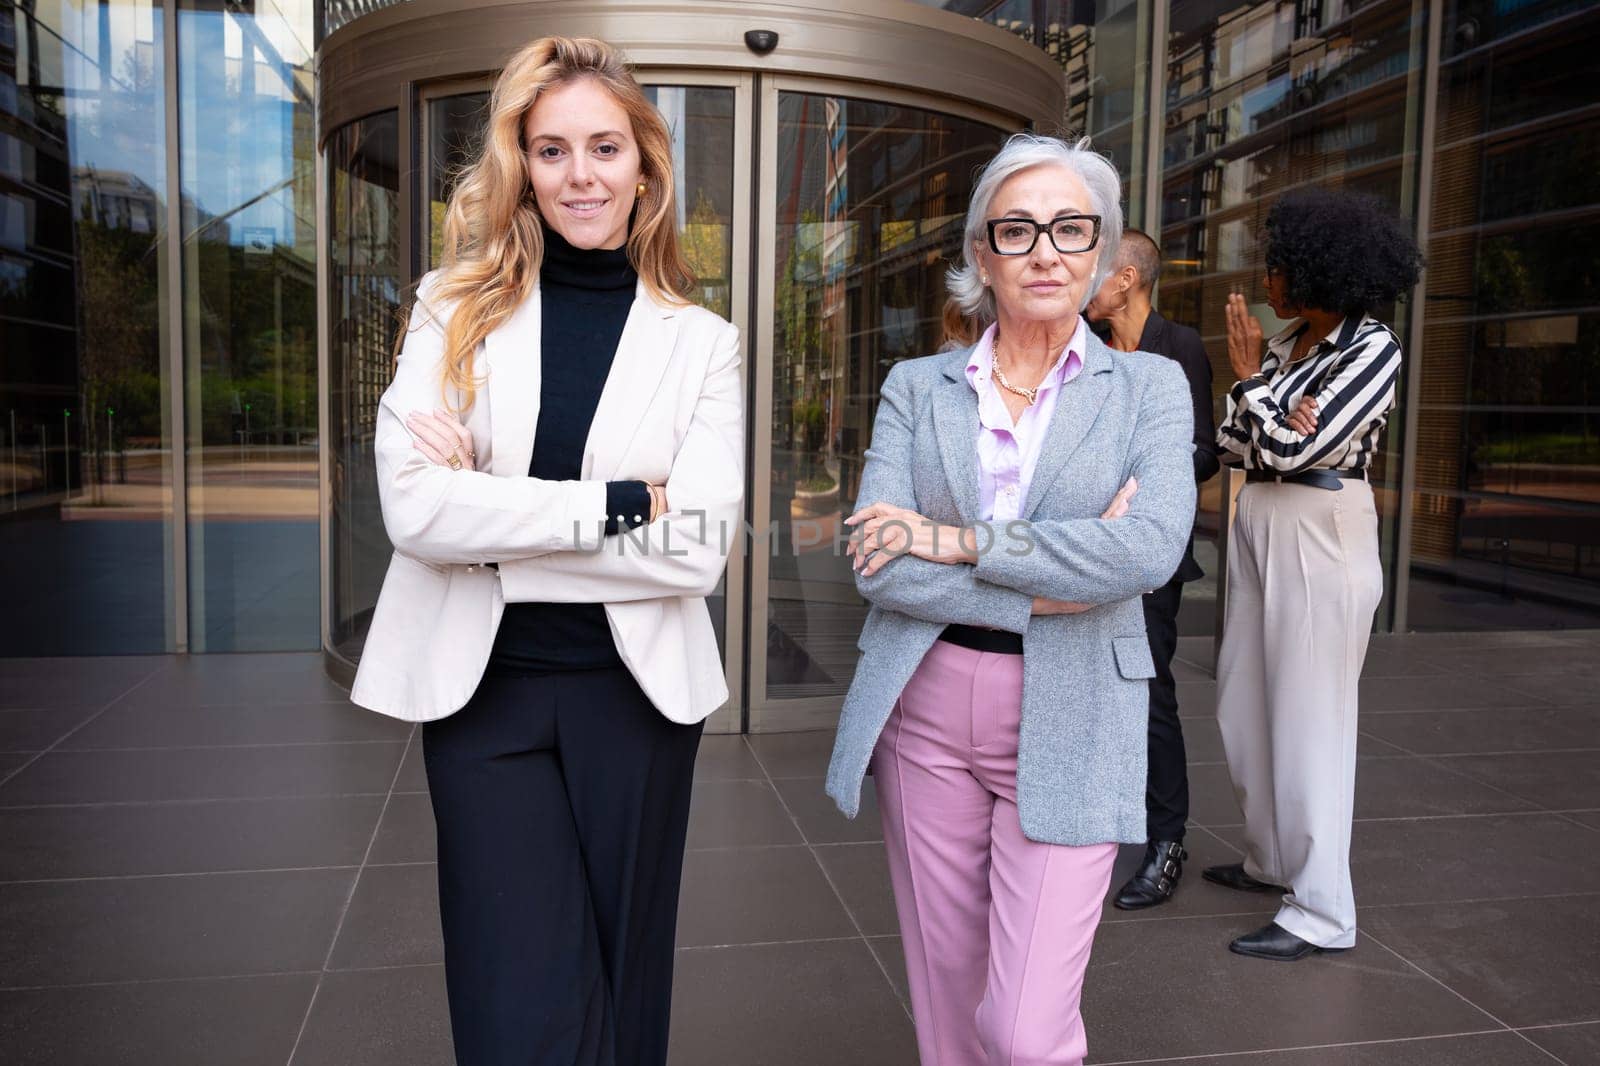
85 435
871 199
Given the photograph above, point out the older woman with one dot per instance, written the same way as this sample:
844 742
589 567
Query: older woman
1304 421
1020 494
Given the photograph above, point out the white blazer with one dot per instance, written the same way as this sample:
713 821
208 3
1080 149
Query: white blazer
672 412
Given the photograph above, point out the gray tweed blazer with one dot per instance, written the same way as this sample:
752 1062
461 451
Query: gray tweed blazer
1081 760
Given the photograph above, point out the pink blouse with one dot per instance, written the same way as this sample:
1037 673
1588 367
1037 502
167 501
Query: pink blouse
1007 451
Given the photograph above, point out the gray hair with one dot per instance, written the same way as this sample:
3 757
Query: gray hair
1023 151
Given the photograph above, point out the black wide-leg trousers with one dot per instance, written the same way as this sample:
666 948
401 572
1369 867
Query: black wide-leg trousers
562 804
1166 797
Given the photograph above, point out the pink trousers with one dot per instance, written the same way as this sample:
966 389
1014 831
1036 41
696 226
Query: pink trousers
997 928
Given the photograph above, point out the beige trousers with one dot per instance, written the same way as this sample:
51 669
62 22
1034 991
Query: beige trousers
1304 581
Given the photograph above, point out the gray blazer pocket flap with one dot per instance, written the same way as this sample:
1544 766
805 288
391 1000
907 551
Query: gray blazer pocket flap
1133 657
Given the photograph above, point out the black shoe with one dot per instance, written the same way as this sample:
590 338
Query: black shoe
1273 941
1233 876
1153 882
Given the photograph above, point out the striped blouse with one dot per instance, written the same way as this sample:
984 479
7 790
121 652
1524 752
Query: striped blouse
1352 372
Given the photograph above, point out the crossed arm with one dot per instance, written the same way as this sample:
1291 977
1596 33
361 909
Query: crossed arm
908 564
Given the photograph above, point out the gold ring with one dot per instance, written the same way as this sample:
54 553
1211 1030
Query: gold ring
454 461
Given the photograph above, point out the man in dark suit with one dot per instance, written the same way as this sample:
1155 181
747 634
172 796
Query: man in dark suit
1122 314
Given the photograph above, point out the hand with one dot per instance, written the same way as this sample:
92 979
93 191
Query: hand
885 532
1119 502
1045 605
439 436
1244 338
1303 419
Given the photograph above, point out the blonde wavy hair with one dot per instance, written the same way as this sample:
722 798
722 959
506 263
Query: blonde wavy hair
493 235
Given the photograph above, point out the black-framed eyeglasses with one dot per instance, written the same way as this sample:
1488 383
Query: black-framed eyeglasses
1068 233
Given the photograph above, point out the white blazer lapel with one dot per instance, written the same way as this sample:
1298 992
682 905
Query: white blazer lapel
641 359
511 361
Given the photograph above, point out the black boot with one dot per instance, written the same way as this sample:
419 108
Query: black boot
1156 879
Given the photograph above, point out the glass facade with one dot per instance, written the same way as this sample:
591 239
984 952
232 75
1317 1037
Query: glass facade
1505 530
159 412
248 251
1261 100
157 297
86 497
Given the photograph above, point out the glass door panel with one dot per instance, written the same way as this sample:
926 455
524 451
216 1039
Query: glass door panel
870 200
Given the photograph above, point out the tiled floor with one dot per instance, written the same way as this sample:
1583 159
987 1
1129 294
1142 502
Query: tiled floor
216 860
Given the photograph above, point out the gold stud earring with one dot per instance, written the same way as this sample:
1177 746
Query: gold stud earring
642 188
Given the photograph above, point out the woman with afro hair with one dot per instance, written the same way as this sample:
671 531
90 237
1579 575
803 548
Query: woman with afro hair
1304 577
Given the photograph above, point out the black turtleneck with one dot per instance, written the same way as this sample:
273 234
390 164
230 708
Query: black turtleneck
585 296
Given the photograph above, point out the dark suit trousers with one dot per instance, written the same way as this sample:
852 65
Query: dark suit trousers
1166 797
562 804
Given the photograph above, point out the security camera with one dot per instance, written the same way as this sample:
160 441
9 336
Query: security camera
761 41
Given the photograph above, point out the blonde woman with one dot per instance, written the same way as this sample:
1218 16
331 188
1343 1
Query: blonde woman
560 467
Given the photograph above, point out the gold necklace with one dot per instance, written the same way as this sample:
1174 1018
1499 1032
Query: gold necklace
1031 395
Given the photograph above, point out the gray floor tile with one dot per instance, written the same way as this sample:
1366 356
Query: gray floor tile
160 725
1555 780
794 754
407 832
1588 818
730 814
278 677
1461 732
1190 673
1443 859
1211 799
379 1018
10 761
860 873
413 775
87 682
211 925
1560 689
1551 660
203 773
249 1021
820 819
1228 1003
1382 694
393 920
170 838
891 956
1202 741
726 758
1527 962
787 1005
1197 699
1479 1049
1574 1045
756 895
37 728
1490 640
1411 788
1387 660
